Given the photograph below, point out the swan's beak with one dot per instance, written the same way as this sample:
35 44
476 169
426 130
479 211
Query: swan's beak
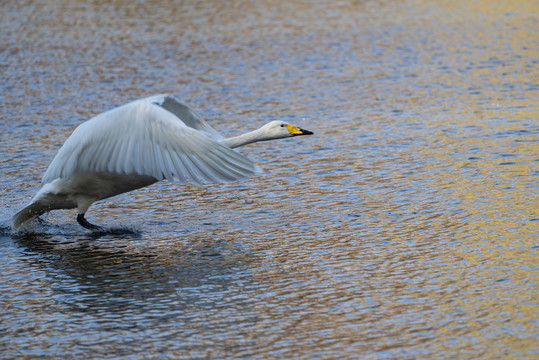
295 131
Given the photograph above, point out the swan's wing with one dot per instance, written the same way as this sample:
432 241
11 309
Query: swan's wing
145 139
185 114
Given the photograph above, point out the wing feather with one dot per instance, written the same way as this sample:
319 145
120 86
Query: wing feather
145 138
180 172
225 168
185 114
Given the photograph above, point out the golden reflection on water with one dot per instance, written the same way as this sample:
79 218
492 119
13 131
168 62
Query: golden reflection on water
405 228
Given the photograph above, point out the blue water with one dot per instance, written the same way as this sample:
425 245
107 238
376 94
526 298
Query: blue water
405 228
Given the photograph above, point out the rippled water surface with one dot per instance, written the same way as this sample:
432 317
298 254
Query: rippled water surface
405 228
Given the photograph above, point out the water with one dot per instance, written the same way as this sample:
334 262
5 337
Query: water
405 228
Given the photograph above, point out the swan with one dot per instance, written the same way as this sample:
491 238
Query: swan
136 145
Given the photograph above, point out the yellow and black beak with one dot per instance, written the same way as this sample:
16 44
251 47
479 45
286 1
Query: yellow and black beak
296 131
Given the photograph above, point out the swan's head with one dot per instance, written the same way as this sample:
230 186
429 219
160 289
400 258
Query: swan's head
279 129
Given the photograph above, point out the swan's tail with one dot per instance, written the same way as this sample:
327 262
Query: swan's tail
28 213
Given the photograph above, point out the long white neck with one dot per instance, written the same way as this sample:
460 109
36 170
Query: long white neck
250 137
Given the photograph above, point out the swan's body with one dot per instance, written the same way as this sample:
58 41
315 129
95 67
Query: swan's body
136 145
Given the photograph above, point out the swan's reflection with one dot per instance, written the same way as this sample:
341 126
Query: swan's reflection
104 274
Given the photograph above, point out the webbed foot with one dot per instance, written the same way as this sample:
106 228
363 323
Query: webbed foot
86 224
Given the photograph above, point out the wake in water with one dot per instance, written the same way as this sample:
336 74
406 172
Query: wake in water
39 226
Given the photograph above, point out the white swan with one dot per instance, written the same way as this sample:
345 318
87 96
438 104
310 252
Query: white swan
136 145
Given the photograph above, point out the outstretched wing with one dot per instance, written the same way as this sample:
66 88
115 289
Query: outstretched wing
185 114
145 139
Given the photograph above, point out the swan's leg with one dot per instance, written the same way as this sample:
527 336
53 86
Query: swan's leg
84 223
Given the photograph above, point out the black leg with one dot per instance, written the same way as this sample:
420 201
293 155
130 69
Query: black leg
84 223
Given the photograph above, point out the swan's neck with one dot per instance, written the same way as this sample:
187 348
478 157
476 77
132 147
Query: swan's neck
250 137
